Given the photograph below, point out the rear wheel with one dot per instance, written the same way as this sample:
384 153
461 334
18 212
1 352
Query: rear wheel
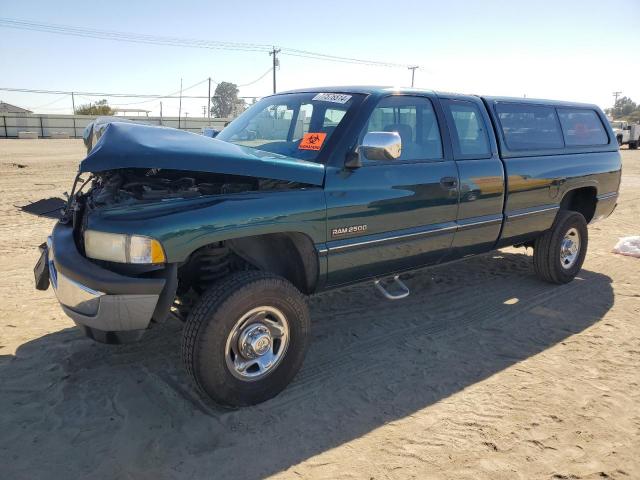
559 254
246 338
633 145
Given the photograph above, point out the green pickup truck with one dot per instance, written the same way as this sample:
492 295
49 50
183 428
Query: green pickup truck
310 190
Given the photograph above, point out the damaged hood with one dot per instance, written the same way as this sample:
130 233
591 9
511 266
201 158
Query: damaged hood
131 145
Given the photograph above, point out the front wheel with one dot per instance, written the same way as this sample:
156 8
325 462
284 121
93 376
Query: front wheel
246 338
558 255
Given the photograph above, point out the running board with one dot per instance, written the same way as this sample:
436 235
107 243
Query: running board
403 289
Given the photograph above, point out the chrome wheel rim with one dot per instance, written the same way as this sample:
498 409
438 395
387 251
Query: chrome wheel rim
570 248
257 343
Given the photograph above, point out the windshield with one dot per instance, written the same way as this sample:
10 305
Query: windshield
617 125
297 125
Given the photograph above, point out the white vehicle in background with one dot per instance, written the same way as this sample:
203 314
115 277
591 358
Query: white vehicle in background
626 134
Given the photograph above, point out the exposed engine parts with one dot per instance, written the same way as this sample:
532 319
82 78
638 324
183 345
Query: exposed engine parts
130 186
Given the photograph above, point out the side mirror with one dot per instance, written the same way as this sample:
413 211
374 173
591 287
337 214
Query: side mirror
381 146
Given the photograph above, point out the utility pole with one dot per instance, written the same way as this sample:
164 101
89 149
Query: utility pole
209 103
180 105
73 105
160 113
615 96
276 63
413 73
204 110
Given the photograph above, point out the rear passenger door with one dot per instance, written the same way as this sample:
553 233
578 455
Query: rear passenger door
481 173
389 216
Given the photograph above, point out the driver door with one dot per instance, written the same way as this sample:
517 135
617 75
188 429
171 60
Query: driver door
389 216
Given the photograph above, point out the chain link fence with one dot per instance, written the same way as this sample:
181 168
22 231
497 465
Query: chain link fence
16 125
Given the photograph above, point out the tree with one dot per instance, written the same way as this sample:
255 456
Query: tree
623 109
225 102
98 108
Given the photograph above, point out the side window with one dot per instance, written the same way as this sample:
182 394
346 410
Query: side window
470 137
529 127
414 119
582 127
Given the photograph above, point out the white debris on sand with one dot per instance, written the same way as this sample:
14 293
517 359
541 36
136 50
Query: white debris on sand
629 246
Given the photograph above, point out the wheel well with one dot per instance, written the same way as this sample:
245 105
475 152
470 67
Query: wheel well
581 200
291 255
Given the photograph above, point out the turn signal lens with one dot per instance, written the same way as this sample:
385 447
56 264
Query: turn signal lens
145 250
157 253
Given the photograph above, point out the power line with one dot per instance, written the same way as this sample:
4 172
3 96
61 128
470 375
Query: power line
96 94
59 99
294 52
257 79
128 37
169 95
151 98
183 42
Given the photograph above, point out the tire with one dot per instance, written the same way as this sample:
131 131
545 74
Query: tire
633 145
619 141
241 308
552 263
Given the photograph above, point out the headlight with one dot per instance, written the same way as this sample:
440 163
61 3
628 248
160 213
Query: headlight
117 247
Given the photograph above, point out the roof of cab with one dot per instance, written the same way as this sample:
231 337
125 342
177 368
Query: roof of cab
539 101
363 89
382 90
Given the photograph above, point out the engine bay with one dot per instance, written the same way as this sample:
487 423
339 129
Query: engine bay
130 186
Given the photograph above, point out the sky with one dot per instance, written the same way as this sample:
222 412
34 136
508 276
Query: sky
566 50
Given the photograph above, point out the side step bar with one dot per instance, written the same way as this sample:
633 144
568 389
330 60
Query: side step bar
403 290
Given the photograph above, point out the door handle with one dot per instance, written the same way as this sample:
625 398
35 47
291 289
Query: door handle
449 182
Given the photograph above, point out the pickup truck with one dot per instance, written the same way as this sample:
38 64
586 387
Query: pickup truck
310 190
626 134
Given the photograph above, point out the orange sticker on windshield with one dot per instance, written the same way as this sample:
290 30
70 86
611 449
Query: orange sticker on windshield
312 141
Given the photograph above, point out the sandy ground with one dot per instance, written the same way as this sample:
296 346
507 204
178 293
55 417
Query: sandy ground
484 372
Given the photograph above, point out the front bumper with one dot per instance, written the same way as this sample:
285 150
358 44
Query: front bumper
111 308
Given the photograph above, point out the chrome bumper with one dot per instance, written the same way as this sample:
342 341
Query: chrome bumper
99 310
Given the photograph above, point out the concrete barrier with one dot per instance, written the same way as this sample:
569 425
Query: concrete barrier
28 135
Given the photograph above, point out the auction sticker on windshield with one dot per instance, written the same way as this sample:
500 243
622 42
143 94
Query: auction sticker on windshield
332 97
312 141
